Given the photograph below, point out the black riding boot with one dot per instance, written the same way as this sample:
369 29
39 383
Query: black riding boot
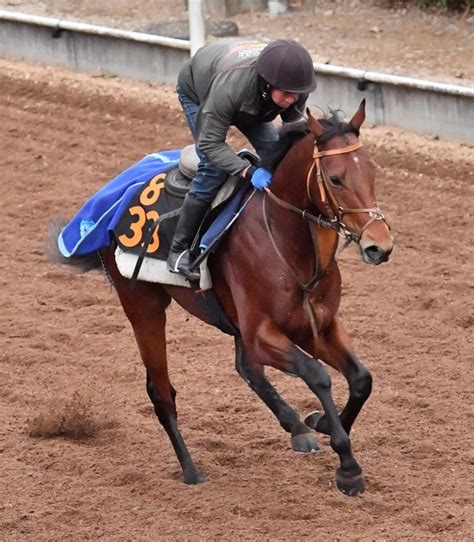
180 258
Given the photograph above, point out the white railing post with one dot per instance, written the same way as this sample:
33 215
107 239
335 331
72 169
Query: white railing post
197 33
277 7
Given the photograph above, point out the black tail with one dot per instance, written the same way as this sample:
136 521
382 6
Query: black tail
81 264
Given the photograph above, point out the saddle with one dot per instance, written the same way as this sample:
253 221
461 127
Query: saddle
178 180
145 230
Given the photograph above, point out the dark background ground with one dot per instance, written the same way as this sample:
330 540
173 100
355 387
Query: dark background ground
357 33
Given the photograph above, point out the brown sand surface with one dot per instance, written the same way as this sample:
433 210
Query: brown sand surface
69 363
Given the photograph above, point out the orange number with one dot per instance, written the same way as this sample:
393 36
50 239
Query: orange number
155 242
152 192
136 227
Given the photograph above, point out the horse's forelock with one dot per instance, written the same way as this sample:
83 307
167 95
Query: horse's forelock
290 133
335 126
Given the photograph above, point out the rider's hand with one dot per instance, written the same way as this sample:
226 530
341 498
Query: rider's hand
258 176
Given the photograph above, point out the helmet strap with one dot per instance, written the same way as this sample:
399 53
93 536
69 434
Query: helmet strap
265 89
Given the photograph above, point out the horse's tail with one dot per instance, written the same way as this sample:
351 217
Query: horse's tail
81 264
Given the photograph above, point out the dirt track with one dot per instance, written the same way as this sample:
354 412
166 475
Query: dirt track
69 361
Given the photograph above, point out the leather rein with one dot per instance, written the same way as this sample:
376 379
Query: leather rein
330 204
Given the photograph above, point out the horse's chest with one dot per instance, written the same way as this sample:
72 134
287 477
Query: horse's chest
322 313
302 319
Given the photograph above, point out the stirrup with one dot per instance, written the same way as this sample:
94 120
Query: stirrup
185 271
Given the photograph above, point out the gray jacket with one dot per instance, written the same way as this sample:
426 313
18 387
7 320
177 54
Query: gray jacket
221 78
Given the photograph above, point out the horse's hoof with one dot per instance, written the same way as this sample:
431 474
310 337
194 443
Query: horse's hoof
306 443
312 420
352 486
194 478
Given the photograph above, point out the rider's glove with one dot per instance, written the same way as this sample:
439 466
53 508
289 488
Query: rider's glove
259 177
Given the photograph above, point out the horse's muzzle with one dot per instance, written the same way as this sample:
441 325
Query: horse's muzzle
374 254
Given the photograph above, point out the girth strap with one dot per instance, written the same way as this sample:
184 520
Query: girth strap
146 242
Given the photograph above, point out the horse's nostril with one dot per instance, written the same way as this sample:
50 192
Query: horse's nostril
375 255
373 251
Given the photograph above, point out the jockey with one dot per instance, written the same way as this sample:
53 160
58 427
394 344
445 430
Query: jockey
247 85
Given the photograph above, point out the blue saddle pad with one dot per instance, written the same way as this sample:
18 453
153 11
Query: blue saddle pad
112 212
90 229
223 219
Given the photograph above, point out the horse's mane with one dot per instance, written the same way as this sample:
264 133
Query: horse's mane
289 134
335 126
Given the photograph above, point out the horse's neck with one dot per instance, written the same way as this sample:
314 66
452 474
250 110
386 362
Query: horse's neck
305 247
289 181
290 186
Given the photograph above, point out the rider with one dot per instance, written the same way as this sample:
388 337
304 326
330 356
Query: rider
245 84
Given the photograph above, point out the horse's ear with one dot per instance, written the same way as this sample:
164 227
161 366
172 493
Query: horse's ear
314 125
359 116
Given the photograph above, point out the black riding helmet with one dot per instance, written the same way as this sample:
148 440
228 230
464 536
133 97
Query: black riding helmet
287 65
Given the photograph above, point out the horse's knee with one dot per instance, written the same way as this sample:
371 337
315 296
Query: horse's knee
247 370
361 383
241 368
312 371
150 389
173 394
241 363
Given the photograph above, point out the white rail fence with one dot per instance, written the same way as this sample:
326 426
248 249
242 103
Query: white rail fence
423 106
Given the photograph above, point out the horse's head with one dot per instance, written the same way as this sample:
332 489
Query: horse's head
340 183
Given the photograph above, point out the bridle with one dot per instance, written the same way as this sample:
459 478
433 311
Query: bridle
328 199
335 211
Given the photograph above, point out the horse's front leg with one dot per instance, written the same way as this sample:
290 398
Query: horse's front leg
303 440
271 347
334 348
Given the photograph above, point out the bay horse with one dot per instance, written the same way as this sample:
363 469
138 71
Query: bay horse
277 279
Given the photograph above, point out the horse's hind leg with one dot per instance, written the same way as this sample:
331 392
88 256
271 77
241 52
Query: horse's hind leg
302 439
165 409
145 308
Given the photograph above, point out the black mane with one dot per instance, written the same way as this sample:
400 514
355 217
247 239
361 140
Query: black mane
289 135
335 126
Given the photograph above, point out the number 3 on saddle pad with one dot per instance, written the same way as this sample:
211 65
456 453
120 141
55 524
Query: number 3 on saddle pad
139 216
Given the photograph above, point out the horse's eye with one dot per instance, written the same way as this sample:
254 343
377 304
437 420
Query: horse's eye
335 180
